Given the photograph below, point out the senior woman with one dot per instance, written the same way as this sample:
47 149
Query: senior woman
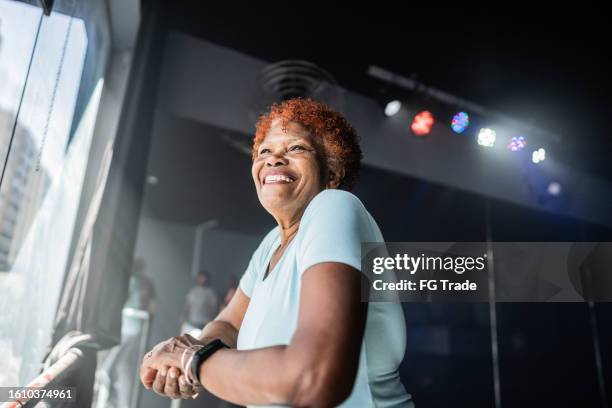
297 333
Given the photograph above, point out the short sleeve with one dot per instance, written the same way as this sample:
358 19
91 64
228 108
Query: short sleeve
333 227
249 278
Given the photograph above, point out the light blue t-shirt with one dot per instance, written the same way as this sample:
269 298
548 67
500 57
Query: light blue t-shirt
331 230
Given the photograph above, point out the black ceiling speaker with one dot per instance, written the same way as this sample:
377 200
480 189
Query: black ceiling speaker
288 79
293 78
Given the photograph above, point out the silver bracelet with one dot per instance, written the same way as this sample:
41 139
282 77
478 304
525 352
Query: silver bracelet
188 378
186 367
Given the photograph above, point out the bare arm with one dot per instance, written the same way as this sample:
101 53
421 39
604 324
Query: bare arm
318 367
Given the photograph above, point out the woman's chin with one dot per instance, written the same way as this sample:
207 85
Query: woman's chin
273 202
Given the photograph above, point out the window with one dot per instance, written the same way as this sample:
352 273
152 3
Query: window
47 115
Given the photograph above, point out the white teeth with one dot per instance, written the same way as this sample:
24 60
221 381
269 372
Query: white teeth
278 177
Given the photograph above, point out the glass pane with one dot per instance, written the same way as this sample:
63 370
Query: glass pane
18 27
42 184
43 125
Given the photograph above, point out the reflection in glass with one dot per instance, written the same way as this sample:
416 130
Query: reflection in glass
41 68
18 28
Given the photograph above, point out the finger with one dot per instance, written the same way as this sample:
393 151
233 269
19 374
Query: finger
172 388
147 376
160 381
186 390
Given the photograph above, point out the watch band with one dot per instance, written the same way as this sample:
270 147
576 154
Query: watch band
202 354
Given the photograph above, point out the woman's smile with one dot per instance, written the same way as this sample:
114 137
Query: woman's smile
278 177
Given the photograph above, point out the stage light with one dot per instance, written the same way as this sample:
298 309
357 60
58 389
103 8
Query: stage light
422 123
554 188
538 155
517 143
460 122
486 137
392 108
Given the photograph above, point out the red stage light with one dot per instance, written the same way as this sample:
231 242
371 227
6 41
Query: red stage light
422 123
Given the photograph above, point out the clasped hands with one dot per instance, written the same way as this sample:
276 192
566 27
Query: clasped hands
166 368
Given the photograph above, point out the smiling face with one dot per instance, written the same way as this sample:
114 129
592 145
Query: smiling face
286 170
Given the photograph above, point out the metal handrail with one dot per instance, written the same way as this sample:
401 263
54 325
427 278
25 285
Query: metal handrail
52 374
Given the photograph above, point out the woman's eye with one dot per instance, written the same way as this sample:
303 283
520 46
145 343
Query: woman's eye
262 151
296 147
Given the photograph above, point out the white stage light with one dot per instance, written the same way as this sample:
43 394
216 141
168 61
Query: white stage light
538 155
392 108
486 137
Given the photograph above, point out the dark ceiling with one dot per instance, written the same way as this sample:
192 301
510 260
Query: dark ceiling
550 70
207 177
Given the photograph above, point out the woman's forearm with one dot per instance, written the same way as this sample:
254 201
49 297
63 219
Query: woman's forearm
250 376
222 330
277 375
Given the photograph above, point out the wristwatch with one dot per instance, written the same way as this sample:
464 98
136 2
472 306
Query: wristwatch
202 354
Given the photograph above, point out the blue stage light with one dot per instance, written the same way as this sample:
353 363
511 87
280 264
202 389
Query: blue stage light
460 122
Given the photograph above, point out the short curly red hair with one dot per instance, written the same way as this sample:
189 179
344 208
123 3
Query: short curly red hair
338 140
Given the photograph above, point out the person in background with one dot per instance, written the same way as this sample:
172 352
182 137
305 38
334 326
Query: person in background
201 305
141 294
119 367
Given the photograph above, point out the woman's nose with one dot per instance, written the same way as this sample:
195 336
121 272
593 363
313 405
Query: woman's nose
276 159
